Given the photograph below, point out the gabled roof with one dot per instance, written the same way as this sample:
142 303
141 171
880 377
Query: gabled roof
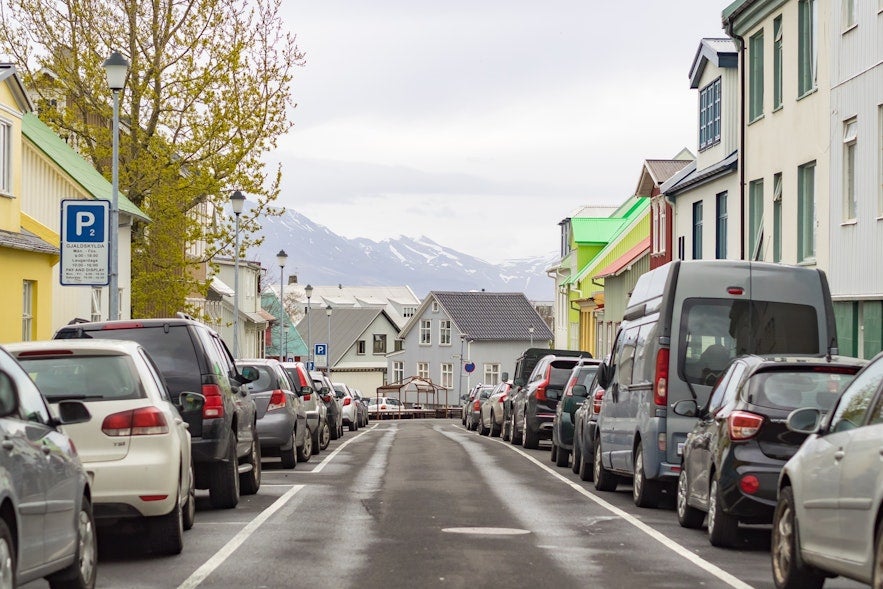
347 324
721 53
27 241
623 263
690 177
488 316
655 172
9 74
79 170
594 229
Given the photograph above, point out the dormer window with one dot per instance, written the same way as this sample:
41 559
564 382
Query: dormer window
710 114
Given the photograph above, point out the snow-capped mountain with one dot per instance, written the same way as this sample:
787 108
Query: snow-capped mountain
319 256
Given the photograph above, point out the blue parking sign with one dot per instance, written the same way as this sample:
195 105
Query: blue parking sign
85 222
85 249
321 349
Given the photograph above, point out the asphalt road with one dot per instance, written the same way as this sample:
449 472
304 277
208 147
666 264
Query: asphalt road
426 503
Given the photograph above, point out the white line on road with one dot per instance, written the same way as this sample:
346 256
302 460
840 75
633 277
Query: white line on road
328 458
709 567
200 574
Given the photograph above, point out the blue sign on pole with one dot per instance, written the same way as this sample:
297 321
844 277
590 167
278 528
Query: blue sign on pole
469 366
321 349
85 251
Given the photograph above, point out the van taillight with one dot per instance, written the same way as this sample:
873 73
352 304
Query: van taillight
214 403
660 378
277 400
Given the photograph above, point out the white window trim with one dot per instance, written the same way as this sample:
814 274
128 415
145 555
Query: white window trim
427 331
850 142
5 157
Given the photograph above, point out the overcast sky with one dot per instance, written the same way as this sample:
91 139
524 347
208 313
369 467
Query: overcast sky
483 123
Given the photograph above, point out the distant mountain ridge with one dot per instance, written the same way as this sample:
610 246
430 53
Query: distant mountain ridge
320 256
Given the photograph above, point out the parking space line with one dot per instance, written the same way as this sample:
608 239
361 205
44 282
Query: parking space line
202 573
705 565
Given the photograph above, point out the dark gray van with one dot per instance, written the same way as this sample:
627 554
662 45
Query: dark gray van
684 323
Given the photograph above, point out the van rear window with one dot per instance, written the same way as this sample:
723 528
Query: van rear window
714 331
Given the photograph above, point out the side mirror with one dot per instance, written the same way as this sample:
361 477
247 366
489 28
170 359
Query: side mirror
686 408
304 391
579 390
191 403
8 396
71 412
519 382
605 375
250 374
804 421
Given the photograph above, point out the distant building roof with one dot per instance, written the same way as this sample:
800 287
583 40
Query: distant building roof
347 325
389 298
690 177
26 241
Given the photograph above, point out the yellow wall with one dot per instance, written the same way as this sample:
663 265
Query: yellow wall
18 266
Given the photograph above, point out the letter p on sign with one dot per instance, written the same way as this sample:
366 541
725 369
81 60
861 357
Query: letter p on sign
83 221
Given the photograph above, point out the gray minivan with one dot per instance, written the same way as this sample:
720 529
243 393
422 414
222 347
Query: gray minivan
684 323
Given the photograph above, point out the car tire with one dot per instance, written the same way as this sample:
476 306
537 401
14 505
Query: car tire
877 575
789 571
645 493
495 429
604 479
305 452
586 468
7 557
224 480
723 528
563 457
516 436
190 505
250 482
289 457
688 516
577 454
553 455
324 435
166 532
529 439
317 445
81 573
352 425
506 431
485 431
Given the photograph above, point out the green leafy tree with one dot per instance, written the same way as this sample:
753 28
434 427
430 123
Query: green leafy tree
207 95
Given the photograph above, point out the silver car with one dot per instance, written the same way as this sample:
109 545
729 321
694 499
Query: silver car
828 516
348 405
45 485
317 412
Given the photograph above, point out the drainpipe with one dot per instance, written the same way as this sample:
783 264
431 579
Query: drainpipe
728 27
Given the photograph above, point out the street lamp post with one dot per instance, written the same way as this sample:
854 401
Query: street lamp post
116 68
530 329
309 292
328 350
281 258
237 200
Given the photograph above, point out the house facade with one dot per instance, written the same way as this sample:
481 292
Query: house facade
653 174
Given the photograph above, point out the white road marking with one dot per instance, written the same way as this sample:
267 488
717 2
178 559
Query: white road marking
200 574
487 531
337 450
709 567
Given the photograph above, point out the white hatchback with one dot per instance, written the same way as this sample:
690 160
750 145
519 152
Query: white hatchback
136 448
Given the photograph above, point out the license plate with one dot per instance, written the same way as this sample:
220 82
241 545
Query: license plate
681 448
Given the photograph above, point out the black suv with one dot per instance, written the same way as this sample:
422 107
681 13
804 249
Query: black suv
193 358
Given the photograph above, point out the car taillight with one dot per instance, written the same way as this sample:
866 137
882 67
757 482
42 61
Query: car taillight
749 484
503 397
146 421
307 397
326 398
477 405
347 401
742 425
596 401
214 403
383 406
277 400
660 378
123 325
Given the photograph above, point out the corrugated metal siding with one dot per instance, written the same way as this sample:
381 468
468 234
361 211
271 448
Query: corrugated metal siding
617 289
43 189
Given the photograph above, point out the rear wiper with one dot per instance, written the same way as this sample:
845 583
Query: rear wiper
74 397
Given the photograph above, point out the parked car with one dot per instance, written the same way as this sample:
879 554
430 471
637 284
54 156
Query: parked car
322 384
480 394
317 412
575 393
733 455
136 448
381 407
493 410
466 401
348 405
43 486
827 519
533 406
361 407
684 323
193 358
282 419
585 423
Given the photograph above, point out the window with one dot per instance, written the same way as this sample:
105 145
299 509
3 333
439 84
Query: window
807 50
398 371
5 157
379 343
491 374
408 311
444 332
720 244
27 310
360 347
697 230
663 227
777 62
755 218
96 304
777 217
435 306
806 212
848 14
755 76
654 211
682 249
850 132
856 399
710 114
447 376
423 370
425 332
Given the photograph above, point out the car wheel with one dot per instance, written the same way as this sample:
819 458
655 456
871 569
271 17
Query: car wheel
190 505
529 439
7 557
877 575
289 457
506 431
324 435
305 452
224 480
604 479
167 531
688 516
586 468
553 455
352 425
563 457
645 492
577 454
789 572
485 431
317 446
515 439
723 528
250 482
495 428
81 573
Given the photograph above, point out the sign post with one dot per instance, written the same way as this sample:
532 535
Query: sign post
84 243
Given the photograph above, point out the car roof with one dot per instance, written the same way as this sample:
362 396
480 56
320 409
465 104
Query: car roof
80 345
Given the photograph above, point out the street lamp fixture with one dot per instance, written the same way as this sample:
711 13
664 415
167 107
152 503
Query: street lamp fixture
281 259
530 329
308 290
328 351
116 68
237 201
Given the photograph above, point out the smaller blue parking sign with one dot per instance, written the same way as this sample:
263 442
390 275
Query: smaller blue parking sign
84 242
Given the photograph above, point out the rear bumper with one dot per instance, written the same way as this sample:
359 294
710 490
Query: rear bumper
117 486
274 429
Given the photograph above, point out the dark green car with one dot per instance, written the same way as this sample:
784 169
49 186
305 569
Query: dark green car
575 393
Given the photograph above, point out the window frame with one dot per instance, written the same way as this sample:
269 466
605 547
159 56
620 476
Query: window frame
5 157
710 114
755 217
423 370
379 338
444 332
807 47
777 217
720 205
777 62
755 76
446 375
850 148
28 291
806 215
425 332
697 230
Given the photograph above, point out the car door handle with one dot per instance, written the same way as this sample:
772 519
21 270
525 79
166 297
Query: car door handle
8 445
839 454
